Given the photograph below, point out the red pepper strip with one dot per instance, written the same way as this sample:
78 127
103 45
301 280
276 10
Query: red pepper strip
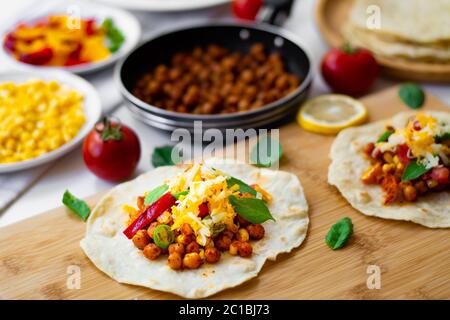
402 152
37 58
150 214
203 210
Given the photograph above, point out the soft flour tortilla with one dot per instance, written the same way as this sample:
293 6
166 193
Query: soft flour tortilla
348 164
383 47
115 255
420 21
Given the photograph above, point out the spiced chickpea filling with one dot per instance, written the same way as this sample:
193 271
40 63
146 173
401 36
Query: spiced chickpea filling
197 216
412 161
213 80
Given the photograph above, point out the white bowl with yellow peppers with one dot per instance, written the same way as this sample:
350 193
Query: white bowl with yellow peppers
43 115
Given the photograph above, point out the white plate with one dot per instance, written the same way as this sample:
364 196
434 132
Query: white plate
165 5
124 21
91 107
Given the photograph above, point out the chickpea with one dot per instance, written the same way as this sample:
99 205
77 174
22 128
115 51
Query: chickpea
176 247
256 231
193 247
141 239
228 234
432 183
212 255
387 156
421 187
186 229
368 149
388 168
222 242
242 235
184 239
192 260
152 251
234 248
175 261
151 228
232 228
410 193
245 249
242 222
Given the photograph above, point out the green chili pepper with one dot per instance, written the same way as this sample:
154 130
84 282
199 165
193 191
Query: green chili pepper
163 236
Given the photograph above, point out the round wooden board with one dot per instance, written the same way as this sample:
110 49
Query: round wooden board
331 15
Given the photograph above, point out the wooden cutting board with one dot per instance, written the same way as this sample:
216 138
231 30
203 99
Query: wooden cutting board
36 254
332 15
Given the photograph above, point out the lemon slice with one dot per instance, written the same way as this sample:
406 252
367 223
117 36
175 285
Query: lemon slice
331 113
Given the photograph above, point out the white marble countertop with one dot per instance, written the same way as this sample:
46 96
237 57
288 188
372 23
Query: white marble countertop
70 172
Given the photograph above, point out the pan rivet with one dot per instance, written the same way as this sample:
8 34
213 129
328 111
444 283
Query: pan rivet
244 34
278 41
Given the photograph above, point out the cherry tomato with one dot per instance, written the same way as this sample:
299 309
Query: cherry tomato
246 9
37 58
111 150
350 71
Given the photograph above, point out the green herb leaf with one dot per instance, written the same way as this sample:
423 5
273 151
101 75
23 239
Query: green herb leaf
339 233
243 187
182 193
442 138
267 152
155 194
413 171
385 136
113 34
77 206
251 209
162 156
412 95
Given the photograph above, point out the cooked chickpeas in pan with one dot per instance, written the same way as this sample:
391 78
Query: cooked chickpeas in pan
212 80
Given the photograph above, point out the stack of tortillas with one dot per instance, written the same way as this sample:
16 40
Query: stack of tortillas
416 30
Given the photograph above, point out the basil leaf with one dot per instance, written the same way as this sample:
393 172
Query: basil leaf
412 95
182 193
267 152
339 233
162 156
77 206
155 194
442 138
253 210
385 136
243 187
113 34
413 171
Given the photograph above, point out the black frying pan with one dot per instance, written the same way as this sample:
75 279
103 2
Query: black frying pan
234 36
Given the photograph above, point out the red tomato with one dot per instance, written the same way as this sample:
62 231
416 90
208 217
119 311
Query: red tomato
111 151
350 71
246 9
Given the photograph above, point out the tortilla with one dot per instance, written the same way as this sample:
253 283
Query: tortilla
114 254
384 47
420 21
348 164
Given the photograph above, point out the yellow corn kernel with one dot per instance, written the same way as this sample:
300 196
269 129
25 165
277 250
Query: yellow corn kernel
387 156
387 168
396 159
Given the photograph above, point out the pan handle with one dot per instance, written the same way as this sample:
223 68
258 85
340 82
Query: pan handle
275 12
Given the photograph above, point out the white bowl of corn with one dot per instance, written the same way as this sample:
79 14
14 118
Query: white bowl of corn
43 115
